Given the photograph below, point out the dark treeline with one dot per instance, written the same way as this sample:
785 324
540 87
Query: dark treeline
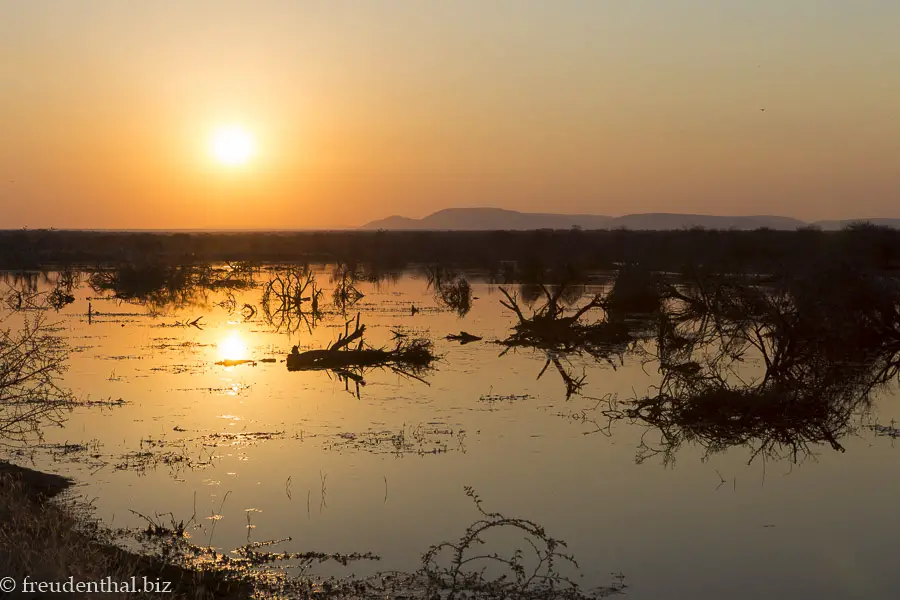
761 250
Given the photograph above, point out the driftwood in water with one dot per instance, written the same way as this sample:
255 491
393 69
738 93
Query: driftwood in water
463 337
408 357
404 354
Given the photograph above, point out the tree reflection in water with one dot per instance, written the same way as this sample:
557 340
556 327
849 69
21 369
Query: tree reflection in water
826 343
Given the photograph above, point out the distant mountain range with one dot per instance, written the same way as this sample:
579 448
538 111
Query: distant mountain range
492 219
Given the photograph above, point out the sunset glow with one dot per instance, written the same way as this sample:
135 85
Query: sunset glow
332 116
232 146
232 347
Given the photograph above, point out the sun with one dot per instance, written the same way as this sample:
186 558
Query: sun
232 347
232 146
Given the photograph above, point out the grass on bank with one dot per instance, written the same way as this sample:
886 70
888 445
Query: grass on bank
48 541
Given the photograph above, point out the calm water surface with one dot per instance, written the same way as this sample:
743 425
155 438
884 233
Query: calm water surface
296 455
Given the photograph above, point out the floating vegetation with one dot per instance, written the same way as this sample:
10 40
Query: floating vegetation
153 453
474 566
232 389
493 398
101 403
187 345
62 449
141 461
241 439
188 453
119 357
421 439
886 430
181 368
78 452
256 557
95 316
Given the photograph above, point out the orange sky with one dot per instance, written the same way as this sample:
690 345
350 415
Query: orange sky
363 110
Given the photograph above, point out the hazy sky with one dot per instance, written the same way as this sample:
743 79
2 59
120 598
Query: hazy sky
366 109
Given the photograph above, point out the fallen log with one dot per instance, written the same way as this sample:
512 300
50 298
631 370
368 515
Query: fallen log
463 337
366 357
408 357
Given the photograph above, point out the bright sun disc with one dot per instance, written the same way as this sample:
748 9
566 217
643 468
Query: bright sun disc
233 146
232 348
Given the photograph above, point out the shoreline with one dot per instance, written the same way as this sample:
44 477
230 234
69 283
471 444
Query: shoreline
38 485
46 541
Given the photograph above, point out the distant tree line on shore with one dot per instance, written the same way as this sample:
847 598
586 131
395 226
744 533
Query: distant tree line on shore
761 250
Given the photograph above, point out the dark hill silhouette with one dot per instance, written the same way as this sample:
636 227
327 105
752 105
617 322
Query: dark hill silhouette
666 221
475 219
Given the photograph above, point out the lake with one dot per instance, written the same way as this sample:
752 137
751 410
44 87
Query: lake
256 452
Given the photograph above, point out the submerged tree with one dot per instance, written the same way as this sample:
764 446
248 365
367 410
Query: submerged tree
822 355
67 281
346 294
636 291
451 290
291 298
161 287
551 329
